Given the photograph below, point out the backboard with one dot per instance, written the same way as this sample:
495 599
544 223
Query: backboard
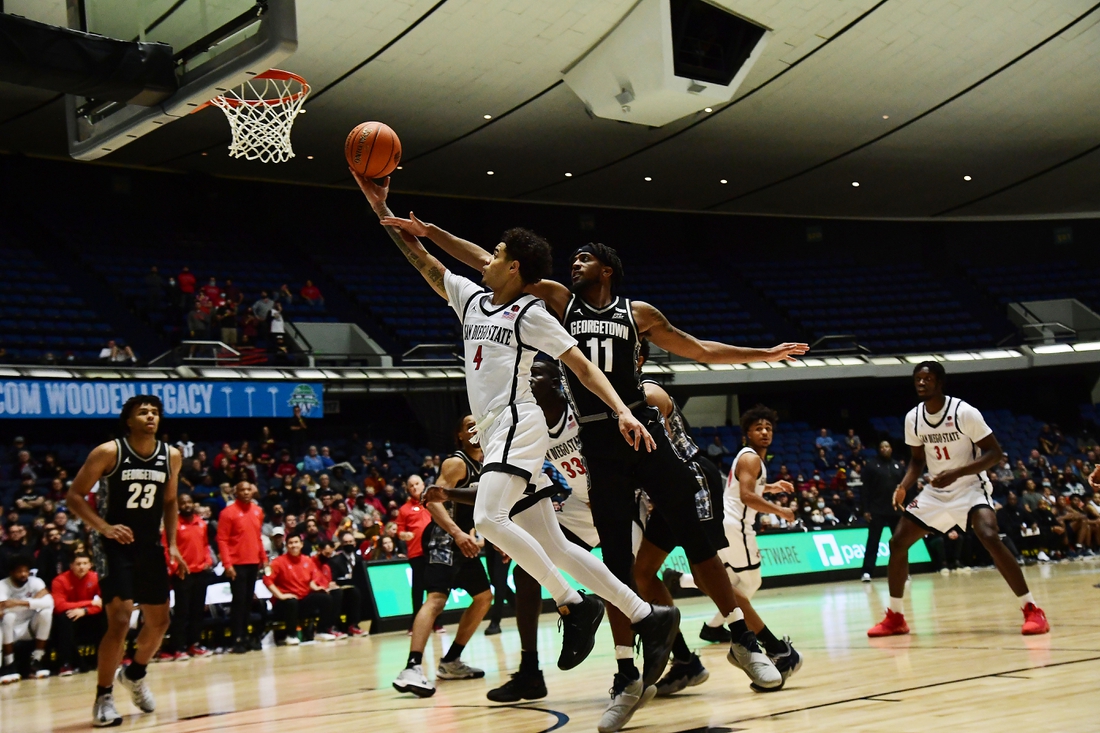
217 44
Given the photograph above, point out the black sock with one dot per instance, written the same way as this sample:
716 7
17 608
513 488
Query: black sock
415 658
627 668
529 662
738 628
101 691
771 644
135 672
680 651
454 652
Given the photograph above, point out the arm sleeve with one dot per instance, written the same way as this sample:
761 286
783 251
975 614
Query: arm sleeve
43 603
542 331
911 438
459 290
972 424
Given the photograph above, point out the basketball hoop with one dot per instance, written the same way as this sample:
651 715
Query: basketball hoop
261 114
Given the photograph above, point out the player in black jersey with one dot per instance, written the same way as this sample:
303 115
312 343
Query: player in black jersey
137 490
451 551
610 328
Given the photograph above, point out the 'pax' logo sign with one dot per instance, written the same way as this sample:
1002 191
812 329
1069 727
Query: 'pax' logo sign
835 555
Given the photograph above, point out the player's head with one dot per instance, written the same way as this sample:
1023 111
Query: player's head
929 378
758 425
546 382
465 431
521 254
141 415
643 352
81 564
885 449
596 263
19 569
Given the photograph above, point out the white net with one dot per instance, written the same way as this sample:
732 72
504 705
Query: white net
261 112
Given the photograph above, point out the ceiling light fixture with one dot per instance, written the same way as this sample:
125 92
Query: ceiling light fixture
568 175
966 178
204 155
723 181
309 157
301 111
855 184
708 109
648 178
488 173
886 117
488 117
400 167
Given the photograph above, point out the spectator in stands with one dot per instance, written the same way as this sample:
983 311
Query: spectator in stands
225 320
1012 518
232 293
77 612
852 442
213 292
338 568
412 519
113 353
715 451
1071 483
1030 496
824 440
242 554
821 460
154 290
283 295
186 446
198 323
369 456
299 432
68 527
262 310
784 475
186 283
387 550
15 545
276 543
29 501
250 328
27 608
312 461
312 295
52 558
295 584
190 588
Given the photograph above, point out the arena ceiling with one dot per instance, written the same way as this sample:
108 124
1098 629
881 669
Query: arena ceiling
905 97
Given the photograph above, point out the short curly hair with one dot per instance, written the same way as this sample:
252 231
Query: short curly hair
755 415
532 252
135 402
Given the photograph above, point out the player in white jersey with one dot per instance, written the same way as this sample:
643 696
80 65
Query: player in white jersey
951 439
27 609
503 329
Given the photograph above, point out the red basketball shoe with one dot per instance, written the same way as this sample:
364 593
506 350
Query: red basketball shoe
893 625
1035 621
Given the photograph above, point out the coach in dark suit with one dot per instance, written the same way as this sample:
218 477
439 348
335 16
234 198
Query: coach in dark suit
881 477
349 572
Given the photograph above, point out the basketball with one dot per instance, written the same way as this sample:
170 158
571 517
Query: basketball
372 149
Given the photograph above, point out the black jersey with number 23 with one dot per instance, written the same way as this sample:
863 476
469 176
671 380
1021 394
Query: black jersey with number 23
133 493
608 336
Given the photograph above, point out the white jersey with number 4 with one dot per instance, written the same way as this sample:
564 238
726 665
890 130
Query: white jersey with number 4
950 439
501 342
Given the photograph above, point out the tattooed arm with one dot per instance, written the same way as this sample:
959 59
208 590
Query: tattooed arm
431 268
653 325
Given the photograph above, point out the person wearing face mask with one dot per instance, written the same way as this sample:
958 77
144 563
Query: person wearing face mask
350 576
185 638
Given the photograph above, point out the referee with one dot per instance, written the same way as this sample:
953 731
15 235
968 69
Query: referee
881 476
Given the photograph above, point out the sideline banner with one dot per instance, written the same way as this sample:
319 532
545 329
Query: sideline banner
791 553
32 398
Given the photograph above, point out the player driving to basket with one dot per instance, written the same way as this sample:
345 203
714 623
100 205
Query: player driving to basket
503 329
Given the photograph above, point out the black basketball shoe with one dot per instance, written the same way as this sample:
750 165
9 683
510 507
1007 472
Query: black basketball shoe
578 622
657 632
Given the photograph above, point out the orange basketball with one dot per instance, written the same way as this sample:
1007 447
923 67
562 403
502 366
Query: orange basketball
373 150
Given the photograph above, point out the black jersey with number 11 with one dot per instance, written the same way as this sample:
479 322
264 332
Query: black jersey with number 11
608 336
133 493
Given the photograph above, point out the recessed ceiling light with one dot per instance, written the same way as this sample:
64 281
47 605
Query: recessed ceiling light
855 184
488 173
966 178
723 181
309 157
648 178
568 175
488 117
886 117
204 155
301 111
708 109
400 167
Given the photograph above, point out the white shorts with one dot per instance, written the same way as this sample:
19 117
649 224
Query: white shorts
576 517
944 511
27 625
516 442
742 553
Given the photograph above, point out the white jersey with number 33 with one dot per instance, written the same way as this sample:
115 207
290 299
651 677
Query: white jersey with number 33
950 439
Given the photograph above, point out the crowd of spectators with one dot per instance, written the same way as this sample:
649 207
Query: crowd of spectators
285 512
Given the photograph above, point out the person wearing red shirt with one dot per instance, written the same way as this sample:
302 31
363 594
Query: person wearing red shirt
77 611
299 591
242 551
190 587
412 519
312 294
212 291
186 282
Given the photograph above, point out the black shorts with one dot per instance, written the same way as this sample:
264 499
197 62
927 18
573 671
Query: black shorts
709 511
616 470
463 572
134 572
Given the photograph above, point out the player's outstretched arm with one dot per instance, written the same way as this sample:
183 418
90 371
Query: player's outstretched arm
592 378
171 509
429 267
653 325
746 471
100 462
461 249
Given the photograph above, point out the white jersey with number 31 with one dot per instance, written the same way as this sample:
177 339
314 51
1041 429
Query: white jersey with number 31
950 439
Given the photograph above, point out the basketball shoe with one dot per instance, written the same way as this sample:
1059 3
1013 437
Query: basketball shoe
682 675
1035 621
627 697
893 625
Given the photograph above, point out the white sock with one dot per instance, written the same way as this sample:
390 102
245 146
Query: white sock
896 605
9 659
1025 599
624 652
37 654
568 598
687 580
737 615
717 621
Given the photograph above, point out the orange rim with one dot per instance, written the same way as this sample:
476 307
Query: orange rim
274 75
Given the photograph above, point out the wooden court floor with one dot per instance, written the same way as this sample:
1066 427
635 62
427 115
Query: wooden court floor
964 668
